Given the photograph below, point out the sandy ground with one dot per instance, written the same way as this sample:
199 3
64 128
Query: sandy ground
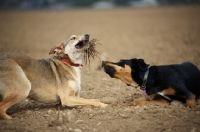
162 35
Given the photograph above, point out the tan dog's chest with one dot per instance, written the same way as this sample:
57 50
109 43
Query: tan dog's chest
49 93
46 88
77 88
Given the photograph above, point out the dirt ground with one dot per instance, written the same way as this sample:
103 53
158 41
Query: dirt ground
162 35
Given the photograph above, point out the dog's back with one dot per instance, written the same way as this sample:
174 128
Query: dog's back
12 77
186 73
192 76
30 67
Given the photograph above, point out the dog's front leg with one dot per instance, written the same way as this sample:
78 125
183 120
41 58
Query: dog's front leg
161 102
77 101
68 98
156 100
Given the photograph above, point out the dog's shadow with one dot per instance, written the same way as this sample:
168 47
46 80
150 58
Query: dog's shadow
35 106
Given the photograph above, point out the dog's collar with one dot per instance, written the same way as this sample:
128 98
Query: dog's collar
143 86
69 62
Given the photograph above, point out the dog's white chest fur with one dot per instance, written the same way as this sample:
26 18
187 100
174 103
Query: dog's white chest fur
78 80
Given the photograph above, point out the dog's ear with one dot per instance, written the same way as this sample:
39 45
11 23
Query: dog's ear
133 64
134 60
142 65
58 49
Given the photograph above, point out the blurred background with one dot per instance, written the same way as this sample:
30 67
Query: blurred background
63 4
159 31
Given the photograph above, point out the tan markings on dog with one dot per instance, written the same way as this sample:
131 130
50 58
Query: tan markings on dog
161 102
123 73
169 91
153 96
191 102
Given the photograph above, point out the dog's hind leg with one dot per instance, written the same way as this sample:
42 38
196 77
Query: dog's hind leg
14 87
11 98
6 103
189 96
190 100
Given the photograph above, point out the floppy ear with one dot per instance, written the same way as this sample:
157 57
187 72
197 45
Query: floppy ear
143 66
133 64
58 49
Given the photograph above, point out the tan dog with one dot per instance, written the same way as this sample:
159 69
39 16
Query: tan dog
56 79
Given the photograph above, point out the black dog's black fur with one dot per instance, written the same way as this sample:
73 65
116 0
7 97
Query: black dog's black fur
183 78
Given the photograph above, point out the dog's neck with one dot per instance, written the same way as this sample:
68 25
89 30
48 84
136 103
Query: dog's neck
139 77
72 61
69 62
76 58
143 86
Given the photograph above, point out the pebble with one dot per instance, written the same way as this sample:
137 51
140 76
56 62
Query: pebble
103 112
108 100
69 116
79 121
53 122
109 117
91 115
77 130
124 115
49 111
59 128
46 115
104 79
98 123
176 103
28 112
60 119
127 109
64 128
193 130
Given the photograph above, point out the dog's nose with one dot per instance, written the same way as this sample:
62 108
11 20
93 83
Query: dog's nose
87 35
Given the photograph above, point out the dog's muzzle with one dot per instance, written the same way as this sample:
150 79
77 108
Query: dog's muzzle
108 69
83 42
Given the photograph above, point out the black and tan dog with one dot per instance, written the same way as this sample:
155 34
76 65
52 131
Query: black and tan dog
162 83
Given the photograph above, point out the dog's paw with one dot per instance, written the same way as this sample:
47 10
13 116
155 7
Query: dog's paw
102 105
190 103
5 117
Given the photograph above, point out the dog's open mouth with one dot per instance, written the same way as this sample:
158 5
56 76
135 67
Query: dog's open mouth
81 44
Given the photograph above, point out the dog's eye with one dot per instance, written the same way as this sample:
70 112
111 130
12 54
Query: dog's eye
73 38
